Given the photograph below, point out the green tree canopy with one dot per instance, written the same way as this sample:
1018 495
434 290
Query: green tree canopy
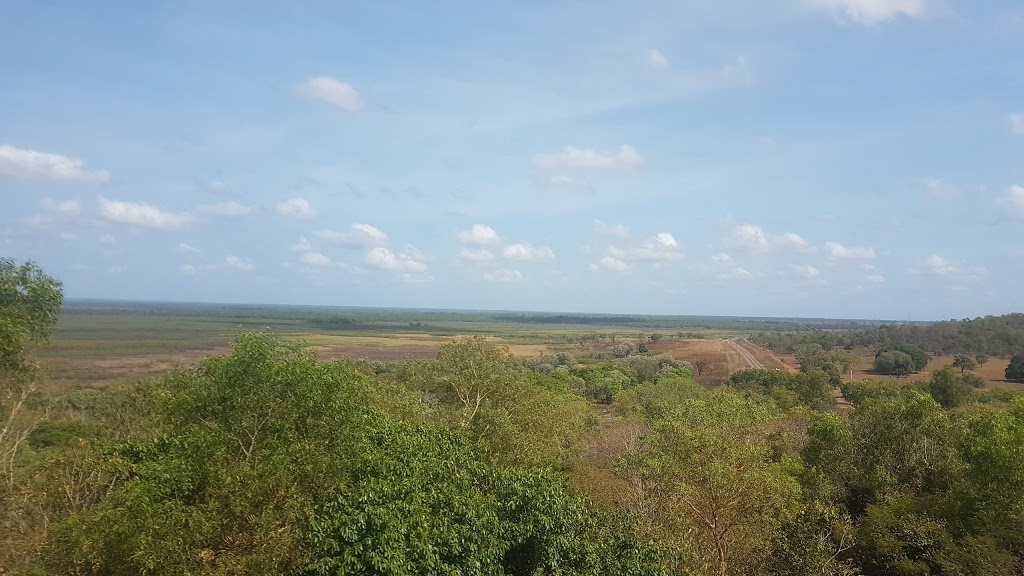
29 304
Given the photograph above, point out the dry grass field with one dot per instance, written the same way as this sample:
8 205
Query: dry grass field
993 372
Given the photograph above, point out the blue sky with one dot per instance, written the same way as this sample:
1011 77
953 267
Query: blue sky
835 158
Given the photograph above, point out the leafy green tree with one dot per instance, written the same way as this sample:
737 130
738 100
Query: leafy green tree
980 359
948 388
964 362
711 474
901 444
1015 371
894 362
30 302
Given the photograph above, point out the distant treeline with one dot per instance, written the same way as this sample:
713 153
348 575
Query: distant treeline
992 335
354 318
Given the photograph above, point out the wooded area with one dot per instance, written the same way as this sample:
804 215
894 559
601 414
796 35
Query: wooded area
267 459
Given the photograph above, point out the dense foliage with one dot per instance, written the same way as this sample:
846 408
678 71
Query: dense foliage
991 335
269 460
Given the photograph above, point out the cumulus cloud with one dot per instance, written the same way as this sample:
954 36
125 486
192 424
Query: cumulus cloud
315 259
1012 202
625 158
239 263
302 245
359 235
142 215
479 234
613 230
876 11
476 255
809 272
941 190
528 253
793 241
66 208
749 237
297 208
385 259
1017 123
936 265
737 273
26 164
840 252
612 264
224 209
333 92
504 275
722 258
187 249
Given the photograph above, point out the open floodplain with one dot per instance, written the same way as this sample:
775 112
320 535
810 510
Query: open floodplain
102 343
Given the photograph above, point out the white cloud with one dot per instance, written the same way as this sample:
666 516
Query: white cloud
740 274
189 270
1017 123
611 263
625 158
504 275
67 236
480 234
838 251
315 259
387 260
25 164
361 235
940 190
936 265
108 240
224 209
371 232
142 215
722 258
876 11
793 241
655 60
665 239
874 278
297 208
613 230
239 264
67 208
809 272
749 237
528 253
733 75
186 249
333 92
302 245
473 255
1013 202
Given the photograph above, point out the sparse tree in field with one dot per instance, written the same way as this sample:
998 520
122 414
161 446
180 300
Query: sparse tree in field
700 364
964 362
622 350
656 337
980 359
29 304
1015 371
642 348
894 363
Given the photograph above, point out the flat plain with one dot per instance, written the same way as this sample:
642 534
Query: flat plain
102 343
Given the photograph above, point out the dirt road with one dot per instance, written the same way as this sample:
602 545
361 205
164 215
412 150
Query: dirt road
738 346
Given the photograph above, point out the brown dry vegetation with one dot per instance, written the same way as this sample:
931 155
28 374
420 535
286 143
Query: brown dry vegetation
993 372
